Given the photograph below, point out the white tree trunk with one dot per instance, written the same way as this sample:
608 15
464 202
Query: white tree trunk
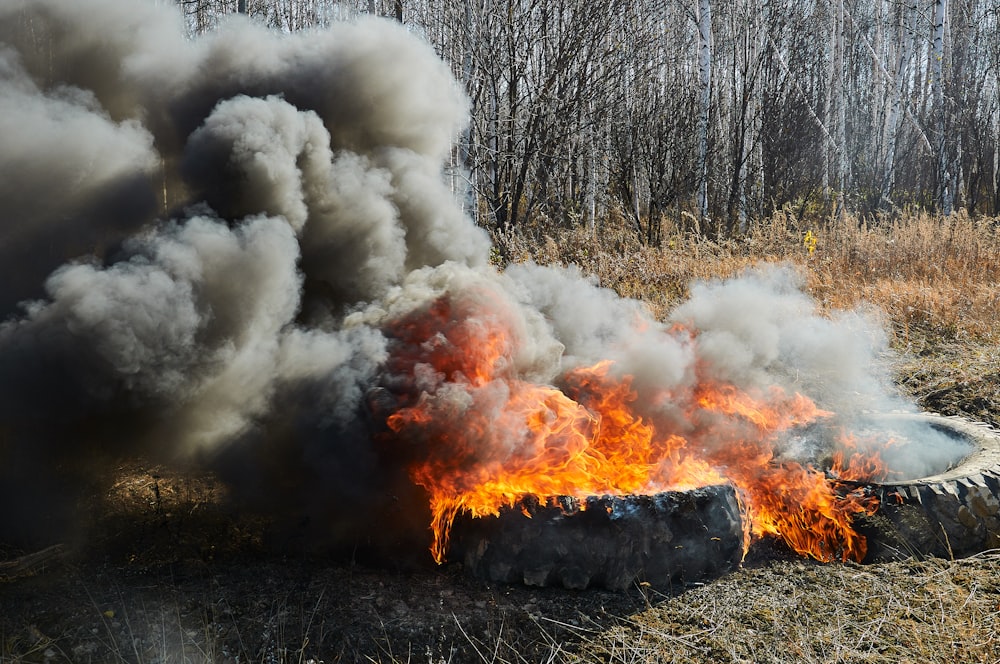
704 16
467 146
745 91
937 94
828 146
590 174
909 21
840 101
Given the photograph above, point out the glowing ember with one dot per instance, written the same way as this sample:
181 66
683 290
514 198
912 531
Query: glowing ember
482 437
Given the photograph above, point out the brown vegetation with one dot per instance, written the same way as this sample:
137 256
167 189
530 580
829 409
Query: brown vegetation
169 575
936 283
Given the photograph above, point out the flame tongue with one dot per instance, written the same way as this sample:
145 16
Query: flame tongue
482 437
787 499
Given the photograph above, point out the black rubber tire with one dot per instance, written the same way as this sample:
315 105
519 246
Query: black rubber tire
954 513
664 540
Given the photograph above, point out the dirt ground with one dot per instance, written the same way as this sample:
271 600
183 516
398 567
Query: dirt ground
168 573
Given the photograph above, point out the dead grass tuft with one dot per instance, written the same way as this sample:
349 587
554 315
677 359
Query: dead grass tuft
936 282
931 275
930 611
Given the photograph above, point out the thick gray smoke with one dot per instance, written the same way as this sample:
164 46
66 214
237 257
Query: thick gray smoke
217 250
185 227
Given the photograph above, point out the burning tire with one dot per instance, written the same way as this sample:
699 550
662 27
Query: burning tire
955 512
610 542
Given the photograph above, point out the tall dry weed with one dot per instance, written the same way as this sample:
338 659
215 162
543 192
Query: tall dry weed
934 277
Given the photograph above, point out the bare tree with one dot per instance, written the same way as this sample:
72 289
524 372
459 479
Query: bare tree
907 34
718 109
704 20
944 193
746 36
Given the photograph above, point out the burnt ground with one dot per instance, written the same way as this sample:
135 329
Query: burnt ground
165 572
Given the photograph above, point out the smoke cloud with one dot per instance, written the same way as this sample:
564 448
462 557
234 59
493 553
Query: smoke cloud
212 251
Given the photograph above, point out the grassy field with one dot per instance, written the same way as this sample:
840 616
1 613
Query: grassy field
168 574
935 282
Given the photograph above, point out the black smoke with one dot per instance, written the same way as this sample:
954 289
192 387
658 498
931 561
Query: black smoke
186 226
205 245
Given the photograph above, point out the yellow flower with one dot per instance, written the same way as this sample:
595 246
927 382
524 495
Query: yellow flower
809 242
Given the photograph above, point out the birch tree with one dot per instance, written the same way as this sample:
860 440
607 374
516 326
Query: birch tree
744 106
944 194
715 110
838 93
703 16
907 34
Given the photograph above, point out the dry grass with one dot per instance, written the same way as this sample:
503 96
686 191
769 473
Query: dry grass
287 610
929 274
174 576
932 611
935 280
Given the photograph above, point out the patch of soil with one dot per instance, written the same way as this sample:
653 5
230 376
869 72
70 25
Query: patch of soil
954 379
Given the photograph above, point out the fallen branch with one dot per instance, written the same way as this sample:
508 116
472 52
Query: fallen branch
29 563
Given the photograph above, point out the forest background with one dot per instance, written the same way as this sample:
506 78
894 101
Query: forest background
703 115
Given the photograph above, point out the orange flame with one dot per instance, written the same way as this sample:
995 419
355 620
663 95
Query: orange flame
485 438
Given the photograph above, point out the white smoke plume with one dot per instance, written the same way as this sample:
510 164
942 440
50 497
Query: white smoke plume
210 249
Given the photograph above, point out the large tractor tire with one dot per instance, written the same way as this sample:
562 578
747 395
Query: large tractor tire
953 513
611 542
